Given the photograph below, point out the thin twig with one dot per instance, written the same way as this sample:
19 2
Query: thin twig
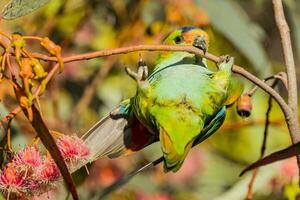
263 146
236 69
250 185
267 125
124 50
281 76
284 31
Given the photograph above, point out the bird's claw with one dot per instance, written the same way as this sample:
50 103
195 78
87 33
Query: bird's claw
226 59
141 74
200 43
223 59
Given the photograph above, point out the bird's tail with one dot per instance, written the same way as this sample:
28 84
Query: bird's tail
110 135
106 138
119 133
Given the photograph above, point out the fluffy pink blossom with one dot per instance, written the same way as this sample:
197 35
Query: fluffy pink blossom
30 156
30 174
48 171
11 181
72 148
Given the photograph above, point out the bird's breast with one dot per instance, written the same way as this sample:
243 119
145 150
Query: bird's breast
185 94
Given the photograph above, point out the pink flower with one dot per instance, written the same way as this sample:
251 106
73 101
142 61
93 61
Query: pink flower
28 174
24 165
30 156
72 148
48 171
11 180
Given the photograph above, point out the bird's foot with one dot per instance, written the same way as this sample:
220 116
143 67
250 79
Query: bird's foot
200 43
225 61
141 74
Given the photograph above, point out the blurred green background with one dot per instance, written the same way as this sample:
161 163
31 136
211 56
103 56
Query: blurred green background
86 90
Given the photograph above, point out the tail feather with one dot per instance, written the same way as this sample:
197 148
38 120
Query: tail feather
172 159
106 137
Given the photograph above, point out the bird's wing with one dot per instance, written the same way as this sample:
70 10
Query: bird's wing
212 126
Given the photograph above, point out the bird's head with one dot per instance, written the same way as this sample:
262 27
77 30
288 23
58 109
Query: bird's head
188 35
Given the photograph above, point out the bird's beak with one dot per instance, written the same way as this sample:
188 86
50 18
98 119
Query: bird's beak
200 43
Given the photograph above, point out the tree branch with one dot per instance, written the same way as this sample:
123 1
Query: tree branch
288 54
124 50
236 69
284 31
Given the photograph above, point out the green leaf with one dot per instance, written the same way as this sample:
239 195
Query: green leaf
18 8
231 20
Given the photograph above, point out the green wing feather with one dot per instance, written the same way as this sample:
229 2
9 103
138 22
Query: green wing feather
211 127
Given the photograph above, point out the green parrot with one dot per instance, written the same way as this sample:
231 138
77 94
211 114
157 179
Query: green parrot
180 104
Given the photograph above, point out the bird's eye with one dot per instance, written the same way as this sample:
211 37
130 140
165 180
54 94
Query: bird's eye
178 39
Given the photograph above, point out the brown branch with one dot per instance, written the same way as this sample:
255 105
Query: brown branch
279 76
287 52
284 31
236 69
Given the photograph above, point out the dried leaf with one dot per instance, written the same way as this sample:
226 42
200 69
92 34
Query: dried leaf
18 8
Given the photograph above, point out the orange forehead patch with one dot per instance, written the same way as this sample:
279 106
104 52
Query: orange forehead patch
190 36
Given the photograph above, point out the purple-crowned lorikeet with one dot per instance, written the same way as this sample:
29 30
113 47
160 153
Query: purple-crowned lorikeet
180 104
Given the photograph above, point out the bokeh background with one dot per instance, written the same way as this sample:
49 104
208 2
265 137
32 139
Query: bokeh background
86 90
